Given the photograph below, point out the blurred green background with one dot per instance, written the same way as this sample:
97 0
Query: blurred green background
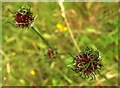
24 61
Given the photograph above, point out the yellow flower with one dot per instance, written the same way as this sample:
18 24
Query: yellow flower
13 54
10 15
61 28
32 72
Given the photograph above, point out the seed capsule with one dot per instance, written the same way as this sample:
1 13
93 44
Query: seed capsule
87 62
51 53
23 18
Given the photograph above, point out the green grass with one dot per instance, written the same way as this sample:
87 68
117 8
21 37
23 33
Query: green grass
93 24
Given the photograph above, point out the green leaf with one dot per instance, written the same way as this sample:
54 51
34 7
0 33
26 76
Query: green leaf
69 61
91 30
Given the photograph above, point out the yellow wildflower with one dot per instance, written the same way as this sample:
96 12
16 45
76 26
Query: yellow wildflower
32 72
13 54
61 28
10 15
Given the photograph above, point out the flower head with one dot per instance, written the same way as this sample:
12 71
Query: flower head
32 72
87 62
24 17
61 28
51 53
13 54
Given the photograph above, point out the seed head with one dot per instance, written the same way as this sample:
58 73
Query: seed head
24 17
87 62
51 53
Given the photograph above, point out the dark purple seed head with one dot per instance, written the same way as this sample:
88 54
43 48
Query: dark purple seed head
51 53
24 18
87 62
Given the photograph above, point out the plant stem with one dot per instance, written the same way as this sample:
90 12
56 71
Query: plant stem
41 37
67 24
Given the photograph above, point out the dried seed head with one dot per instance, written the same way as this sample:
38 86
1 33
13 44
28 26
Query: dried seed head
24 17
87 62
51 53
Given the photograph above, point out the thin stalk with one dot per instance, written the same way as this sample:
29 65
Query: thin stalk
70 55
41 37
67 24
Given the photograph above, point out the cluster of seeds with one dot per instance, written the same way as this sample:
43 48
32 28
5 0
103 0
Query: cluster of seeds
87 62
51 53
23 18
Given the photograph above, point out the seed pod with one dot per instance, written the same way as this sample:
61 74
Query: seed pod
24 17
51 53
87 62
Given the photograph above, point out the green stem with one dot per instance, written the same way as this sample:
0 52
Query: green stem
70 55
41 37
